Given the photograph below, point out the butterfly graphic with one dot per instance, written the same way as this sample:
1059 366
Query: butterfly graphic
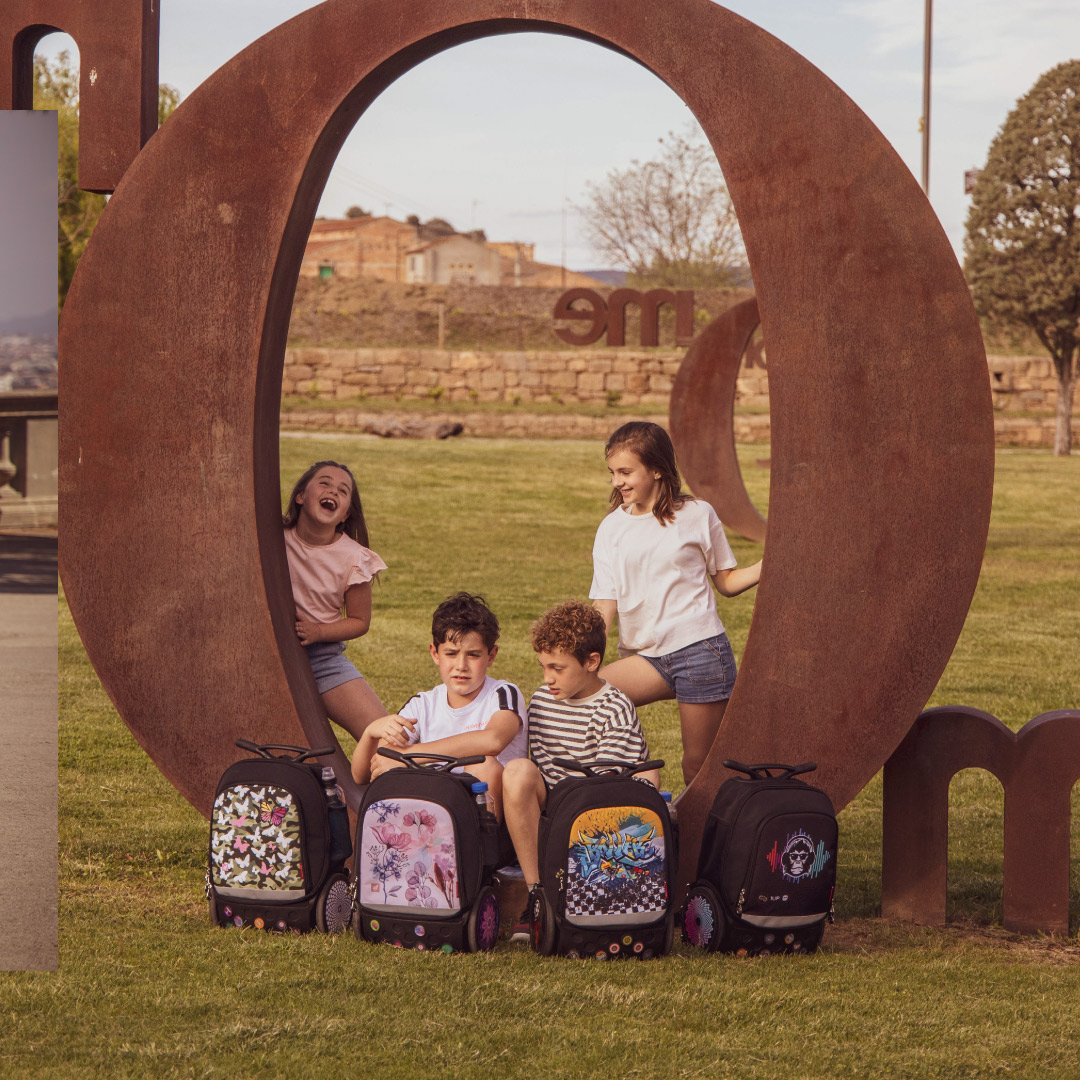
271 814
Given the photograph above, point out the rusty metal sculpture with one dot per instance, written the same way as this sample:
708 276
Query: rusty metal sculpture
701 417
1037 766
118 74
173 337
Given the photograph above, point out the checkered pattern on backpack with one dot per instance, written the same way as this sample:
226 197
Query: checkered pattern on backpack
589 898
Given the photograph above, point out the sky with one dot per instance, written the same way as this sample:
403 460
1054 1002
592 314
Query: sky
27 214
502 134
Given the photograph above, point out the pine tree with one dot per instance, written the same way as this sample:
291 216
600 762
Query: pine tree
1022 251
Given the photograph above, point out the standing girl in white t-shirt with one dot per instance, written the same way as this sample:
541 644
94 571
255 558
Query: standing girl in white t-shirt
655 559
331 568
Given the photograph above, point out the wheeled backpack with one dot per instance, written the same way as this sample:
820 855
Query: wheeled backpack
607 863
279 841
425 854
767 867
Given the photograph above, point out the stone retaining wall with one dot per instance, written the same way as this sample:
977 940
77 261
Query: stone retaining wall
601 376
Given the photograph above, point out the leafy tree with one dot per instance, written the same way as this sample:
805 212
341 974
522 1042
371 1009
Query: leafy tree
56 86
668 221
357 212
1022 251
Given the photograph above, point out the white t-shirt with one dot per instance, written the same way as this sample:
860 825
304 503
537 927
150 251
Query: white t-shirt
436 720
659 576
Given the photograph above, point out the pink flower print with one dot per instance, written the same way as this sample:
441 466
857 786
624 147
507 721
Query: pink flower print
390 838
425 824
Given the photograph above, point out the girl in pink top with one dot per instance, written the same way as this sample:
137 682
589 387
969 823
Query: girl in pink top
332 568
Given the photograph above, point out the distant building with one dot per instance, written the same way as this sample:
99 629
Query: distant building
453 260
372 247
389 250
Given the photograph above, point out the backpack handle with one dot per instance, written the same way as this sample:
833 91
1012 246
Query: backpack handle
621 768
297 753
764 772
413 761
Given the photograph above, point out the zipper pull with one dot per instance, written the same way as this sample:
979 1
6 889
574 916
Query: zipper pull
209 890
560 874
738 910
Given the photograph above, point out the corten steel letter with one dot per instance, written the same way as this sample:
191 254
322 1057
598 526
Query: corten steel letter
1037 766
173 338
565 310
701 414
649 306
118 74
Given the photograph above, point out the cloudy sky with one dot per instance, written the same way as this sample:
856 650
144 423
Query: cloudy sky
501 134
27 214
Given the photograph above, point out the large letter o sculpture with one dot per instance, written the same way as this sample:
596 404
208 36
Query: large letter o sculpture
172 344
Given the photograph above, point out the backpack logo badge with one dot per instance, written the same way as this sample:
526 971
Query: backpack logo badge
800 860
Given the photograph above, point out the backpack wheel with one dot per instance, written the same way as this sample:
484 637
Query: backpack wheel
482 928
333 907
702 918
543 922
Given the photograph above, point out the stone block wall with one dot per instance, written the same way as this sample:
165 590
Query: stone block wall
631 377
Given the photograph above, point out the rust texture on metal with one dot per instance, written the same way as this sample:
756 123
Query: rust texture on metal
701 414
1037 766
173 338
118 74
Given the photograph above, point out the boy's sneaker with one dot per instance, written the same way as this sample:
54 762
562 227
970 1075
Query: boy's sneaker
521 931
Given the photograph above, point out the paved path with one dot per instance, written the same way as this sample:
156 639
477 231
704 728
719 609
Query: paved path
28 787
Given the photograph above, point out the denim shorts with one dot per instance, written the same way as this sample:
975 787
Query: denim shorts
329 664
700 673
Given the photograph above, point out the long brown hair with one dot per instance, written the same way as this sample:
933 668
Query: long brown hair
353 526
652 445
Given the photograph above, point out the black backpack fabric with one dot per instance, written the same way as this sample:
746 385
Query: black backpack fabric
425 854
279 841
767 867
607 857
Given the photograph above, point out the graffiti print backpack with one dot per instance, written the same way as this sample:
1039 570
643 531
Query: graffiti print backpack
425 854
279 840
607 864
767 866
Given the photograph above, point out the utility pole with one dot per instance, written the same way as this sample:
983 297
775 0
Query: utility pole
924 124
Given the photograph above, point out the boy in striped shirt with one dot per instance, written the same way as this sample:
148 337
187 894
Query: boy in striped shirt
575 714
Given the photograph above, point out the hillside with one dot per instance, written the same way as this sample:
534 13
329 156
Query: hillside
344 312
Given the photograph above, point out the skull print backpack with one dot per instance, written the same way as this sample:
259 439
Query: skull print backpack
767 867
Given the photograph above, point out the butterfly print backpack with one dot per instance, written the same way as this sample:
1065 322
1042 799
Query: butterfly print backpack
425 854
607 863
279 841
767 867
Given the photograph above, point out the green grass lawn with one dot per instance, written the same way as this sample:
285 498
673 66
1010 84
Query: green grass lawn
146 988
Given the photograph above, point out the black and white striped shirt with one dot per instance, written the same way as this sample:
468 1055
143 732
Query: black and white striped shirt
604 726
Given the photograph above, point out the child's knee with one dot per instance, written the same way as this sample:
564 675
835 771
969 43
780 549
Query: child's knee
519 776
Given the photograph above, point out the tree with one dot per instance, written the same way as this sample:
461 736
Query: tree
56 86
1022 250
668 221
357 212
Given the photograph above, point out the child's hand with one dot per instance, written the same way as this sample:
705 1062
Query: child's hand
380 764
392 730
308 632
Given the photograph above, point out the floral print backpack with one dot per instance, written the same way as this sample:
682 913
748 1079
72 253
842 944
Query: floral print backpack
425 854
279 841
